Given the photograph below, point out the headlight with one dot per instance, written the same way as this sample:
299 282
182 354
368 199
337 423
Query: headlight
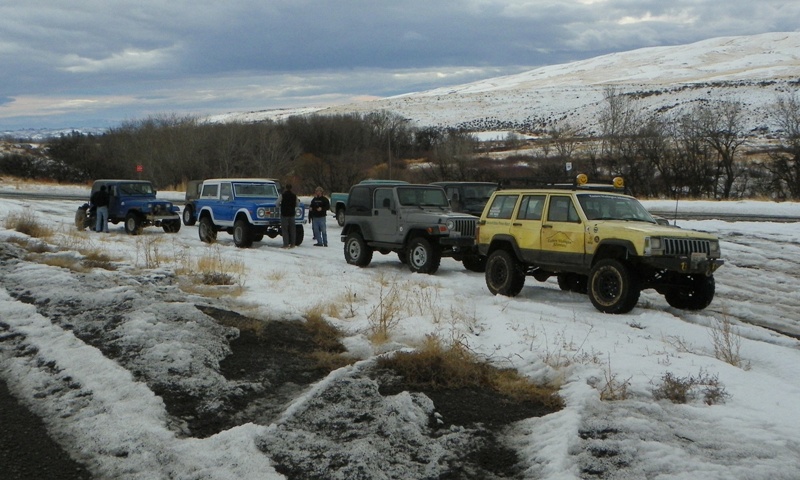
655 243
298 212
714 246
450 224
261 212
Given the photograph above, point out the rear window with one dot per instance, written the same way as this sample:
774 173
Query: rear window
502 206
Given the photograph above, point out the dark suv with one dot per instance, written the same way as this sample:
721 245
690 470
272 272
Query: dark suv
468 197
133 202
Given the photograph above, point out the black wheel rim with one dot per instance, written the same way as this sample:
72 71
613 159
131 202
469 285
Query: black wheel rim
608 286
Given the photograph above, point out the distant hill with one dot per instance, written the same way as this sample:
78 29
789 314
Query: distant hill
755 70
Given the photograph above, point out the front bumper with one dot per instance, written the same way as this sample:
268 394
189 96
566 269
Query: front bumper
686 264
457 241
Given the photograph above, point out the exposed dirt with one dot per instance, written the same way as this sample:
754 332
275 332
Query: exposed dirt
269 365
26 451
280 356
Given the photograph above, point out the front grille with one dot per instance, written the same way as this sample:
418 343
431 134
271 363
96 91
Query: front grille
686 246
466 226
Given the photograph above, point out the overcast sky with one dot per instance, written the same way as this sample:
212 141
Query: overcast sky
98 63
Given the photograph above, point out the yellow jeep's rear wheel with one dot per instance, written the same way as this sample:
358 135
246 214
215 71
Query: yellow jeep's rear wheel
613 287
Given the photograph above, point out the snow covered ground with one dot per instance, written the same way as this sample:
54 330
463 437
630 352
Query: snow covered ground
117 427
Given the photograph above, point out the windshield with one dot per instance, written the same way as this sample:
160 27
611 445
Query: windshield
612 207
422 197
138 188
478 192
257 190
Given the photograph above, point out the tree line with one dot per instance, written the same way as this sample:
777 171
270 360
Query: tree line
700 153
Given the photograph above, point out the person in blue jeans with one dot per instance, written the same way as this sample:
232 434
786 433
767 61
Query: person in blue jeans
100 201
317 215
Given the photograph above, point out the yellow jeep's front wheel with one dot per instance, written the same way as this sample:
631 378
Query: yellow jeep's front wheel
613 287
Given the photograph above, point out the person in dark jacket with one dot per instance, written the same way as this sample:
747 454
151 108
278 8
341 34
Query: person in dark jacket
317 215
288 202
100 200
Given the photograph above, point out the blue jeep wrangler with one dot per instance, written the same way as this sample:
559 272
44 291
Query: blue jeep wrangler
133 202
245 208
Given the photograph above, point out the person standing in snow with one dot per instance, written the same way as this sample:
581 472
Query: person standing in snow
100 201
317 214
287 203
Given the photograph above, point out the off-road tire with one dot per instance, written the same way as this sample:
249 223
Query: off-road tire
299 233
474 263
573 282
423 256
242 236
81 219
356 251
613 287
206 230
171 226
504 274
133 223
696 296
188 216
340 217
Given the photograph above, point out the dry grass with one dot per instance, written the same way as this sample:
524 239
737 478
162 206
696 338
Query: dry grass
684 389
149 251
329 353
213 269
25 222
726 341
210 275
385 315
614 389
436 365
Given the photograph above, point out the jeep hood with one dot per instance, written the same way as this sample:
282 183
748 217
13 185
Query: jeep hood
645 229
429 214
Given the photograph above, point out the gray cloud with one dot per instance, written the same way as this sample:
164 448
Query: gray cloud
68 64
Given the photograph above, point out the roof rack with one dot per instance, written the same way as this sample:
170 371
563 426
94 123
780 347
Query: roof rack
580 182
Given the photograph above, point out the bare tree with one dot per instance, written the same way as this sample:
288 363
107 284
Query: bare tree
564 137
721 126
784 162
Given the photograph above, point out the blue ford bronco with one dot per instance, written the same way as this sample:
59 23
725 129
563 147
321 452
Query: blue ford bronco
133 202
243 207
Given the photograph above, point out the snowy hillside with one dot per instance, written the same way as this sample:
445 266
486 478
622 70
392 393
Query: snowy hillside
755 70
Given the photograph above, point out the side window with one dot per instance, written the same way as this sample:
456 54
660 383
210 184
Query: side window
225 191
210 191
562 210
502 206
383 198
531 207
359 200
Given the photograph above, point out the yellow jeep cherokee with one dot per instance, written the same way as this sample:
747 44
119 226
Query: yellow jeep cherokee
594 241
